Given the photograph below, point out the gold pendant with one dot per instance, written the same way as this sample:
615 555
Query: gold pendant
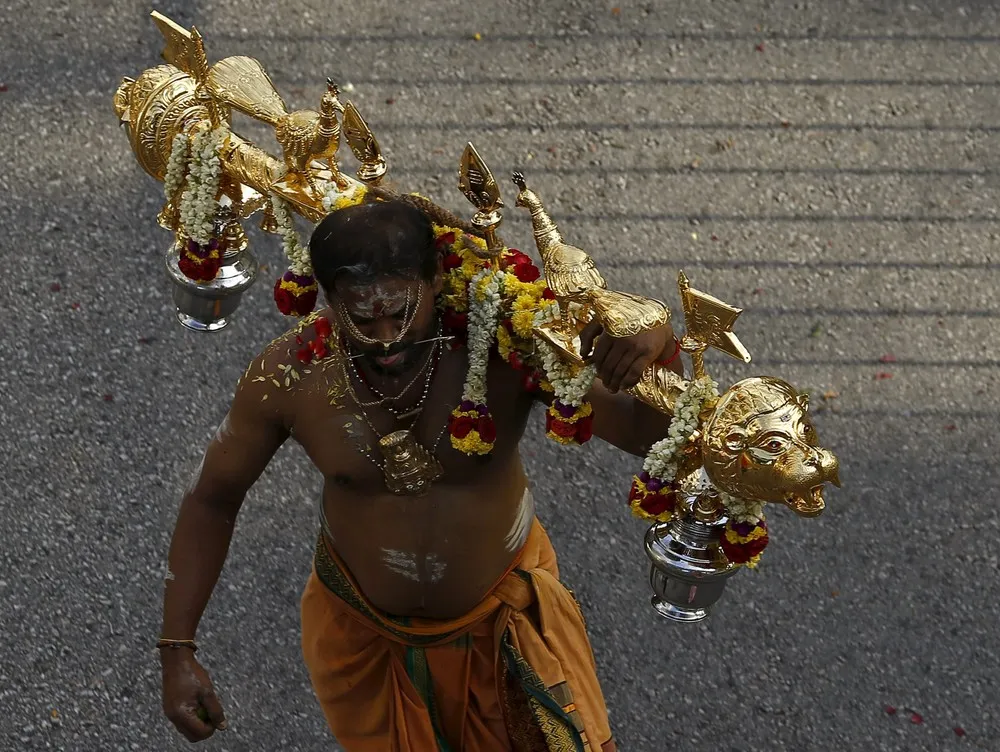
409 468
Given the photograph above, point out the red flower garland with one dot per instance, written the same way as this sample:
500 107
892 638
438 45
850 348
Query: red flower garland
200 263
578 431
295 294
652 499
743 542
472 428
521 266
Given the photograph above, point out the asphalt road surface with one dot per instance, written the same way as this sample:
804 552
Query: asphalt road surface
830 167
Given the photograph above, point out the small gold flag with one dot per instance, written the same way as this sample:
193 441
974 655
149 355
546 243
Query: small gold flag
710 321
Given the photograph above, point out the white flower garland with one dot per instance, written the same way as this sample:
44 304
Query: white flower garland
569 388
198 202
484 312
176 165
298 254
662 460
545 314
742 510
334 198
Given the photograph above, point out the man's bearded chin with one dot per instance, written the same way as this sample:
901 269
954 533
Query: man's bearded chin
407 352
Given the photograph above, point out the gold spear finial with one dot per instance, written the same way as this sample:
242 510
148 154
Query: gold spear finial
478 185
364 146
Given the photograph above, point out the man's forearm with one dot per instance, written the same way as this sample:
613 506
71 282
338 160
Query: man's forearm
626 422
648 426
198 552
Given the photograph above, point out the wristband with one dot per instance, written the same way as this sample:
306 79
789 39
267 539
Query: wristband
673 357
174 644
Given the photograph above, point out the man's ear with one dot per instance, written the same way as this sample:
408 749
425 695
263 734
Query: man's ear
438 283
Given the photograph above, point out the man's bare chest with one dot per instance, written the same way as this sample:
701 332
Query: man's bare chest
342 432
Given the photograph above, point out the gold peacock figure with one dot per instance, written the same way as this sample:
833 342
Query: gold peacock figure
304 135
572 275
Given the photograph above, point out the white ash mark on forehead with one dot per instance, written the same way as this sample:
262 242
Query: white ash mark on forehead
372 301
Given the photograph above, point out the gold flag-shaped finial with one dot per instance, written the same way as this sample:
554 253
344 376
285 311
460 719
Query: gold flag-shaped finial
709 323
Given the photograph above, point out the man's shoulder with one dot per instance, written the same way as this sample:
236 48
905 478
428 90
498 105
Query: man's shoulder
287 360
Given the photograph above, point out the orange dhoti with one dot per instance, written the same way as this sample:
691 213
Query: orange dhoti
516 673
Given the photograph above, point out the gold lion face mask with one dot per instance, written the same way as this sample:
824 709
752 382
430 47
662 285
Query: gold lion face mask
761 445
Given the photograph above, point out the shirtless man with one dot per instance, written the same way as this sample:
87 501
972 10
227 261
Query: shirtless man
424 560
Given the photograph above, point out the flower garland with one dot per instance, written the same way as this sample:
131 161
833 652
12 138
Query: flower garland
199 257
744 542
296 291
334 198
745 537
523 301
569 419
743 510
199 200
471 425
176 166
652 496
200 263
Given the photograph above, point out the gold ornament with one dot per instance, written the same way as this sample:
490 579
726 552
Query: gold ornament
364 146
760 445
477 183
409 467
754 445
756 442
569 272
709 323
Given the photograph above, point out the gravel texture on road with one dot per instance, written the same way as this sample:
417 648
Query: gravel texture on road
829 167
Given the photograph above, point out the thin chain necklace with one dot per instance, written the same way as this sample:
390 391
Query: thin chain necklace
413 411
408 468
418 411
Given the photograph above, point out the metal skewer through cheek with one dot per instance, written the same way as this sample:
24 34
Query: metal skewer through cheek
443 338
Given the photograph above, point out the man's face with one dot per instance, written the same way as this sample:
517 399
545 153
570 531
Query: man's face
380 311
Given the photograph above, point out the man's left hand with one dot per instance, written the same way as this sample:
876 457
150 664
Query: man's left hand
621 361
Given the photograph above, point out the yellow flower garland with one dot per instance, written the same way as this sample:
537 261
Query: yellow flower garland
520 303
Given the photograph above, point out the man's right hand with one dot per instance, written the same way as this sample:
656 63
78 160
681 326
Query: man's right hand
189 699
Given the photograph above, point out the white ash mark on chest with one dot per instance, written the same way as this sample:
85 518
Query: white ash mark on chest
402 563
435 568
522 522
422 568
